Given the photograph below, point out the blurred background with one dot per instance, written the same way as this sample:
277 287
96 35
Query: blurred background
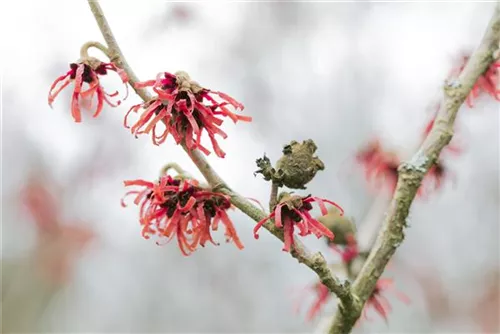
73 259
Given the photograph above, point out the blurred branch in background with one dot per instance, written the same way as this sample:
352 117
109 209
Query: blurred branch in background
411 174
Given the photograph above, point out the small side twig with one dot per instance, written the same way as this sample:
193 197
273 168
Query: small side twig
84 50
366 234
370 226
314 261
411 174
172 165
115 54
273 200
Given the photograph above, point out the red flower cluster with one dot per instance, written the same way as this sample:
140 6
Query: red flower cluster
180 104
382 168
173 207
379 302
293 210
41 205
87 72
59 244
487 83
322 296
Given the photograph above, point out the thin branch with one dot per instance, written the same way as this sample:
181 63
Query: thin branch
273 197
115 54
84 50
172 165
370 225
412 173
365 236
206 170
314 261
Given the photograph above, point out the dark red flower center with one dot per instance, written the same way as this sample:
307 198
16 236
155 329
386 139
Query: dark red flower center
211 204
175 199
169 83
287 212
87 72
101 70
183 95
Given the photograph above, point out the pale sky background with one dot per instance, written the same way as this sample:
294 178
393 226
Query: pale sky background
339 73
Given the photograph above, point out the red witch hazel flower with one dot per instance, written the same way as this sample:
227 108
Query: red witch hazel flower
293 210
180 208
87 72
380 166
488 82
59 244
348 252
322 295
438 172
186 110
321 298
379 303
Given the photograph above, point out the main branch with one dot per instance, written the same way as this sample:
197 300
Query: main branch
314 261
412 173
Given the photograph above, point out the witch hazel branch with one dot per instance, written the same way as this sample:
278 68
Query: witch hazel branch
177 206
467 85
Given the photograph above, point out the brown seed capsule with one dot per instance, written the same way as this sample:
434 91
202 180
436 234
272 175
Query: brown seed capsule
298 165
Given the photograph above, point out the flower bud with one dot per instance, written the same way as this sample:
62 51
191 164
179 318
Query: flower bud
341 226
